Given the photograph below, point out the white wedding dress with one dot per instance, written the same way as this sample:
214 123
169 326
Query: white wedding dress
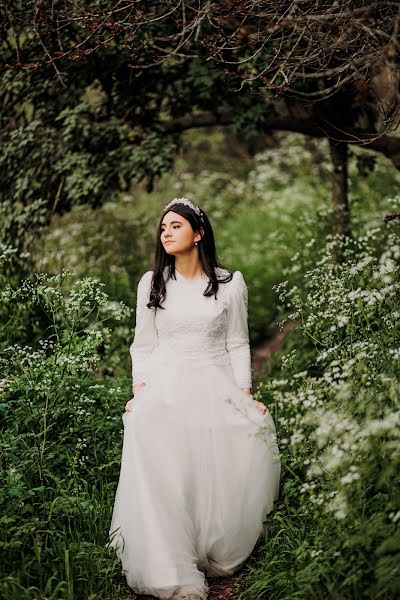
200 465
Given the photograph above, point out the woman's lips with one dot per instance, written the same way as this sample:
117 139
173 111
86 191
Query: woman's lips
171 242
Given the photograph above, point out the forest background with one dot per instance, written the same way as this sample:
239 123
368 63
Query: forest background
303 196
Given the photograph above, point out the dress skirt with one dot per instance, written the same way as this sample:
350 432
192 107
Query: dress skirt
200 470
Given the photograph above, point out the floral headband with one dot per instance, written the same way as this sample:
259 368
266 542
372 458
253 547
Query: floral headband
188 203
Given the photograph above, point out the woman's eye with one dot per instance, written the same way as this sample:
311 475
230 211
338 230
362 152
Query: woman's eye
173 227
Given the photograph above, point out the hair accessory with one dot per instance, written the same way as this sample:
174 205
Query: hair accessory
188 203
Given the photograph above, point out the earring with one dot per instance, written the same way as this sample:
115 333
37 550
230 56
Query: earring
195 243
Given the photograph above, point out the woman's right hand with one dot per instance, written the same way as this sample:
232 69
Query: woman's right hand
129 405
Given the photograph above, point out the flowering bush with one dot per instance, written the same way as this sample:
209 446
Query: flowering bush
61 437
336 402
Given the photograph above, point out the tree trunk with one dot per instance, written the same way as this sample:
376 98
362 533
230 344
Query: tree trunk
341 215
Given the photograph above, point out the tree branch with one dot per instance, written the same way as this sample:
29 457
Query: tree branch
387 145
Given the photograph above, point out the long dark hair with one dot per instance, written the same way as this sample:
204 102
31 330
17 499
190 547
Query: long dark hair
207 255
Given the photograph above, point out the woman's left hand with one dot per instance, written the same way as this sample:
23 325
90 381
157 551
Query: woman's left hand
261 407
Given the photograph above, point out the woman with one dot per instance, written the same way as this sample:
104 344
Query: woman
200 465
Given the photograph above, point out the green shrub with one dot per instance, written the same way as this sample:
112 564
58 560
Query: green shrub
336 402
61 441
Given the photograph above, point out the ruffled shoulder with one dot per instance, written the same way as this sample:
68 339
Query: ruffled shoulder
237 280
143 288
239 288
232 291
146 277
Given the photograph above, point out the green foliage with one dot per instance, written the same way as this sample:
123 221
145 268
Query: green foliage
277 209
83 134
61 440
64 374
337 412
73 141
106 243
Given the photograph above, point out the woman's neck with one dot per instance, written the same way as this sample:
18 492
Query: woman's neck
188 267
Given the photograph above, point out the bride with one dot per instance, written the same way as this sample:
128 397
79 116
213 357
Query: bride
200 465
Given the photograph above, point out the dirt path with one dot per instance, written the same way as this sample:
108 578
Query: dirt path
226 588
263 351
221 588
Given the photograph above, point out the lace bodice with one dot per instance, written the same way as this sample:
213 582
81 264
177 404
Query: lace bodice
193 327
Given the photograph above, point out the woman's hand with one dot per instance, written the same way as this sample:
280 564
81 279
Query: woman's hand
261 407
137 387
130 404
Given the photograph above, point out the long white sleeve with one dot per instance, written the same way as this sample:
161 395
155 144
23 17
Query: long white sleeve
146 337
237 336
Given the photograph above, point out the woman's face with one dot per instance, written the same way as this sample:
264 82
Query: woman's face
177 235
